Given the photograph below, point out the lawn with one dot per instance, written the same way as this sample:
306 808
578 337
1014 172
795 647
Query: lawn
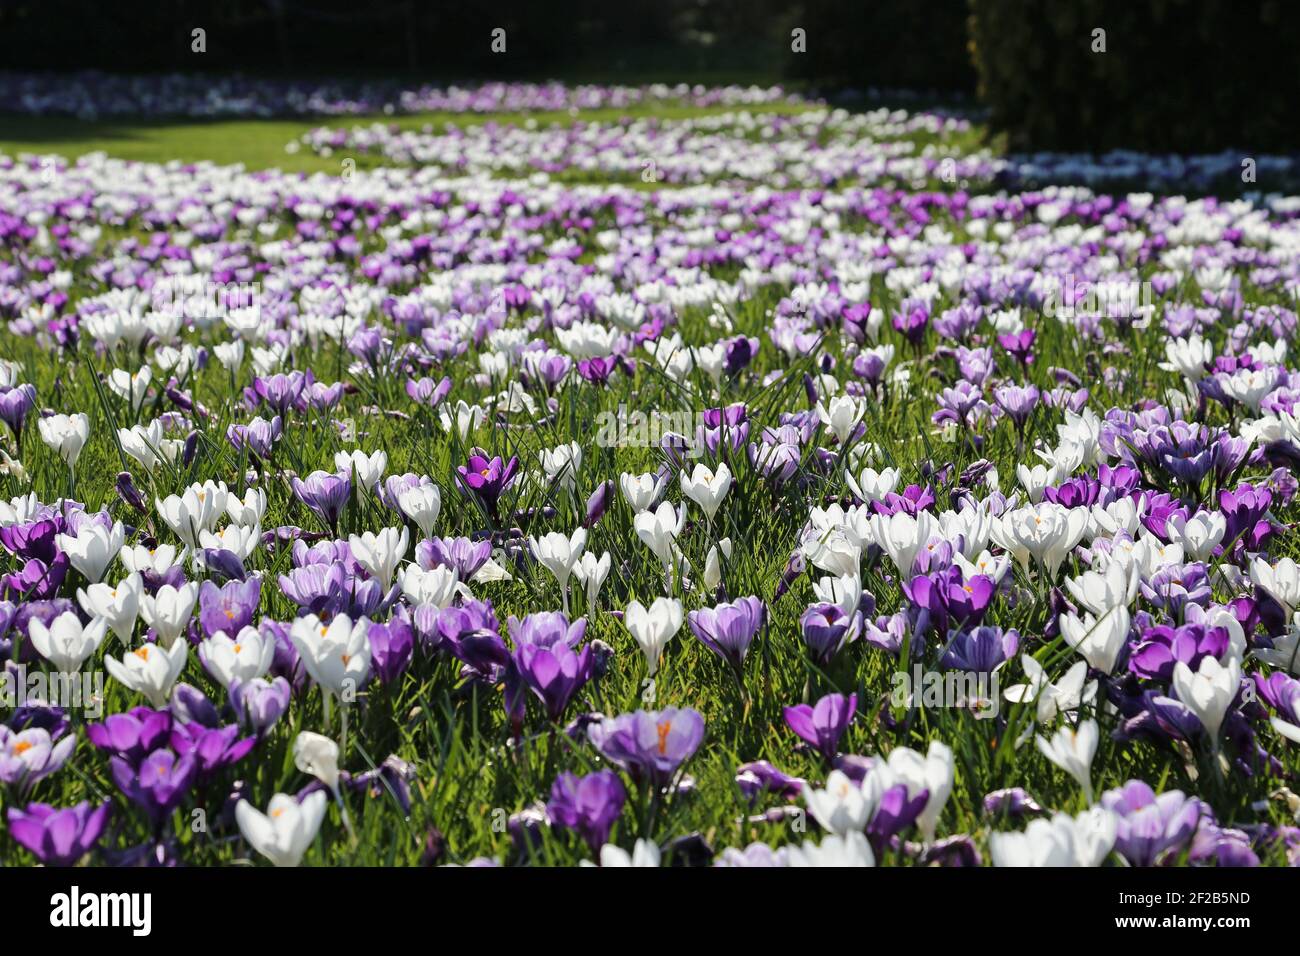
883 340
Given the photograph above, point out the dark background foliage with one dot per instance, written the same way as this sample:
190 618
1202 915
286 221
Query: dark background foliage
1184 75
1180 75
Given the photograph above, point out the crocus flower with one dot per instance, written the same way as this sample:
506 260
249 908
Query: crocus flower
649 745
728 629
159 784
487 478
391 645
259 703
286 830
1151 827
228 609
131 735
150 670
823 724
211 747
27 756
554 673
588 805
58 837
325 493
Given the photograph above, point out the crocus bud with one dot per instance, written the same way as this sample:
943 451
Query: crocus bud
129 493
793 568
598 503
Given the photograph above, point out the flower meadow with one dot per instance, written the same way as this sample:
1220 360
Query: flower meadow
829 496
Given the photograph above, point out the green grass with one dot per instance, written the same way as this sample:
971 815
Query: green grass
469 775
259 144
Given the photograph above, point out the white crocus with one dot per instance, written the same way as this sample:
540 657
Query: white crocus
250 511
157 560
842 806
66 643
317 756
1281 581
168 611
93 550
1072 750
65 435
421 504
1035 480
932 772
461 418
118 603
131 387
642 491
872 485
658 531
1046 532
592 571
1063 697
1199 535
851 849
381 553
286 830
151 670
438 586
243 657
367 469
1209 691
336 655
654 627
902 536
707 487
560 465
1083 841
1098 640
713 563
1098 592
841 415
559 555
143 443
644 854
844 591
241 541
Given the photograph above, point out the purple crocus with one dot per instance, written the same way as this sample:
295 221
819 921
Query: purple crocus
729 628
259 703
824 723
1153 828
391 645
825 628
553 673
160 783
426 391
325 493
212 748
133 734
228 608
487 478
258 436
981 650
15 403
462 555
58 837
760 776
1163 646
280 391
546 629
589 805
650 745
472 634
